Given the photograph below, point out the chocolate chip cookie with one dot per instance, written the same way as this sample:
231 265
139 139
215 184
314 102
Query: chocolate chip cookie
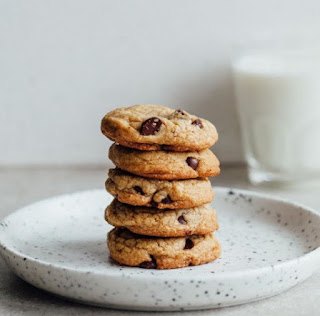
151 221
161 253
165 165
155 127
135 190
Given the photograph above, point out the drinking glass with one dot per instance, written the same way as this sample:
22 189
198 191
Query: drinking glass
278 103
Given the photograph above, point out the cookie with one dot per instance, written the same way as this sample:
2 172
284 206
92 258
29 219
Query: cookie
151 221
161 253
131 189
155 127
165 165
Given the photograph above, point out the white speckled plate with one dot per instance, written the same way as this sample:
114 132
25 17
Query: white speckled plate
59 245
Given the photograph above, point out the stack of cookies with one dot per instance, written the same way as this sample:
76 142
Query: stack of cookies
161 187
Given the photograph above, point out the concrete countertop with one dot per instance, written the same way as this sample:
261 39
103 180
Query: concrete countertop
21 186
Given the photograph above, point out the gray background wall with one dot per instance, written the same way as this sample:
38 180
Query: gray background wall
64 64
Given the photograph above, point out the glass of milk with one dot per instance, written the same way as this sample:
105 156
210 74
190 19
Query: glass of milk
278 102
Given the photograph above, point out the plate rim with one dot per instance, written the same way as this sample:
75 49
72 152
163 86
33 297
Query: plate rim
216 276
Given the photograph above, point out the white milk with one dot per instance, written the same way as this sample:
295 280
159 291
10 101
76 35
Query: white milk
278 100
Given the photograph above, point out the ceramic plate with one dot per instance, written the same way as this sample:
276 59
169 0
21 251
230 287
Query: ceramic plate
58 245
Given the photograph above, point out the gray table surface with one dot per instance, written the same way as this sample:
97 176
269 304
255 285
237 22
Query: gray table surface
21 186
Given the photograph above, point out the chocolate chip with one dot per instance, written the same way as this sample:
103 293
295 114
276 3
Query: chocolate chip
189 244
193 162
149 264
166 200
181 111
138 190
151 126
198 123
182 220
154 204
